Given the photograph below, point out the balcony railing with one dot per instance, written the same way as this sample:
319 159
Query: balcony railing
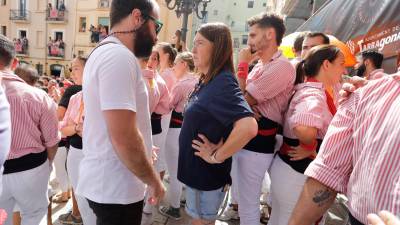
104 4
56 49
55 15
20 15
21 48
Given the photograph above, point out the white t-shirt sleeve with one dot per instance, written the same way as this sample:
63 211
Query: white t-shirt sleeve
118 74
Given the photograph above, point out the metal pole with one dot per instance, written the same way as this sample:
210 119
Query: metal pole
186 11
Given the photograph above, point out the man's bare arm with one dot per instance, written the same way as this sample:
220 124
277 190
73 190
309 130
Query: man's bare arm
315 199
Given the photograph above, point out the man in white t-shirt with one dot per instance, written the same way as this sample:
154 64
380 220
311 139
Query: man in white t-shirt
117 132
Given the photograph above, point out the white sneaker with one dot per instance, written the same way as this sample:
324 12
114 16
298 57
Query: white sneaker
229 214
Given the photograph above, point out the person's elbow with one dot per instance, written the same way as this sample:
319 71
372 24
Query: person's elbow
249 127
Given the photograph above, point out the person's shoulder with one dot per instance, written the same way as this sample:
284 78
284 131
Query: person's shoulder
310 91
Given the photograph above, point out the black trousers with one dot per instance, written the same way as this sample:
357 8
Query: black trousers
117 214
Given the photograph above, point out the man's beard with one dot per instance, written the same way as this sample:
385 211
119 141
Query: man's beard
260 45
143 42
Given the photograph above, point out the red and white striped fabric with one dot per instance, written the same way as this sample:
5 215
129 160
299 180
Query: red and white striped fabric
34 123
376 74
158 92
271 84
360 154
181 91
74 113
308 107
169 78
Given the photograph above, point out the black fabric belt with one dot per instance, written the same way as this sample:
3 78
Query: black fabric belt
265 141
299 165
156 124
75 141
25 162
176 120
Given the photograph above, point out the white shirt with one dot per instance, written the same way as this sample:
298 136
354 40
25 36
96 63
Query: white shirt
112 79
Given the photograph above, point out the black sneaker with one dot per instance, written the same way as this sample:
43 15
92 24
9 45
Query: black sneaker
171 212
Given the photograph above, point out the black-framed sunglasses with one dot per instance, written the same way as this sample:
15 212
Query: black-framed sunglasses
157 22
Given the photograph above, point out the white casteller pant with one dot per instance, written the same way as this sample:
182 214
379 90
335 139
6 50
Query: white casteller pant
74 159
174 191
60 168
159 141
28 189
286 187
250 168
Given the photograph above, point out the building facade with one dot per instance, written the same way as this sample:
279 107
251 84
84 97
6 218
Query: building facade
233 13
49 33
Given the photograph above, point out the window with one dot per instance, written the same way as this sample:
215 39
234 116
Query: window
58 35
250 4
215 13
244 39
246 27
81 53
4 30
3 2
21 33
264 4
82 24
236 43
232 23
234 3
105 21
205 19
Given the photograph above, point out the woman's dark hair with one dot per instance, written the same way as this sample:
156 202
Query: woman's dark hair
120 9
310 66
170 50
222 53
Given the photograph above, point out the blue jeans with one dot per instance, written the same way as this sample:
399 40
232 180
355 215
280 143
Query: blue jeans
203 204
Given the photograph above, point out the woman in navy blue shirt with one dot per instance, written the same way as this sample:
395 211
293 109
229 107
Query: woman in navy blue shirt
216 111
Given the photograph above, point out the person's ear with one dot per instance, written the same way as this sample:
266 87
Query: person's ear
136 15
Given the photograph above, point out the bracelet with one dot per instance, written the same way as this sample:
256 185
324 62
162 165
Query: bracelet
214 159
243 70
309 147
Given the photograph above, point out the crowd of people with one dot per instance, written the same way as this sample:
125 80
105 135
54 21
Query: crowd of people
140 112
21 45
56 47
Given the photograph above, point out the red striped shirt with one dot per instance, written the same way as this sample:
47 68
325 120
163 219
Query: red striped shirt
158 92
34 123
271 84
360 154
308 107
180 93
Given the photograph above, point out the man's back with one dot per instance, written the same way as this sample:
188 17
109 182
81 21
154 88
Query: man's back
33 114
360 154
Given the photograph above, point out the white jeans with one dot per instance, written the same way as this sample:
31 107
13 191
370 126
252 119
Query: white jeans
250 168
286 187
171 158
159 141
28 189
75 157
61 172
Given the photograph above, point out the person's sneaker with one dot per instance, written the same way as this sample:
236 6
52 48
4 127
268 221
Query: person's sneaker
229 214
68 218
171 212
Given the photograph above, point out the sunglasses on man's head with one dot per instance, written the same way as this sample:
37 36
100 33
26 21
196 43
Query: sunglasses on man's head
157 22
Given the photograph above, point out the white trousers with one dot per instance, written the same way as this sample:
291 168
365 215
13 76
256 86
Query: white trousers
250 168
28 189
61 172
159 141
171 158
74 159
286 187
